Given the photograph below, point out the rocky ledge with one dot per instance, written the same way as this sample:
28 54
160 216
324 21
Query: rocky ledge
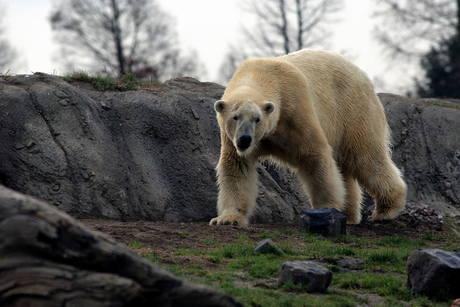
151 154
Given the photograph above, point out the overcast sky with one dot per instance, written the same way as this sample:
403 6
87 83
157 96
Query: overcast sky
206 26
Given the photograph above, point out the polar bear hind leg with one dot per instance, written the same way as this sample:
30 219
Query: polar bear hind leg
382 180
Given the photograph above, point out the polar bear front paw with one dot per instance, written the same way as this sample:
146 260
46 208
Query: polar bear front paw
387 214
235 220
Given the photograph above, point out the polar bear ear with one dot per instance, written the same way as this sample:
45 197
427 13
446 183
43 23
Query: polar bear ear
219 106
269 107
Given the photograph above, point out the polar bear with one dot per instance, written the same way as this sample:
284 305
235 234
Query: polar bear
317 113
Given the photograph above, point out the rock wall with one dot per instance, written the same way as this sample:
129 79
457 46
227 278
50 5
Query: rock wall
151 154
426 146
145 154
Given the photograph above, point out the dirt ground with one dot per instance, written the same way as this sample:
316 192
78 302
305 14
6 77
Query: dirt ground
162 239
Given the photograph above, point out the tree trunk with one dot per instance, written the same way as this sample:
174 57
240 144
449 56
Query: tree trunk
300 24
49 259
117 38
284 26
458 19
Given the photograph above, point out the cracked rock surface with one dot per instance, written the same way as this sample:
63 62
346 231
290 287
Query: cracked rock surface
151 154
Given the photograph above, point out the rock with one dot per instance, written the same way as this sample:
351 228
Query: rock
313 277
345 263
432 272
84 175
423 153
49 259
267 246
155 151
19 146
419 216
325 221
456 303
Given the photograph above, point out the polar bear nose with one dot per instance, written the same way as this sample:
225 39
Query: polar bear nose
244 141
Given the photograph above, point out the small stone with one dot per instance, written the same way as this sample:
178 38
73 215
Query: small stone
105 105
60 94
195 114
84 175
346 263
325 221
63 102
56 187
35 151
313 277
267 246
19 146
30 144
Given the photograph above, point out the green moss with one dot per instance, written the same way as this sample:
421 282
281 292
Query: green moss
105 83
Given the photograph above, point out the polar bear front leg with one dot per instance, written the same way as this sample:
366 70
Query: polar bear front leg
237 181
323 181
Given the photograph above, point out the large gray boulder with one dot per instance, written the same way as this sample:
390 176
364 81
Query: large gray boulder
151 154
122 155
434 272
49 259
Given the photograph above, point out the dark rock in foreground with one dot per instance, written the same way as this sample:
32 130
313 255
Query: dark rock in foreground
313 277
434 272
325 221
49 259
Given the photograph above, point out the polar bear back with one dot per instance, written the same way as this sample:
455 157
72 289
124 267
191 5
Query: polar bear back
343 97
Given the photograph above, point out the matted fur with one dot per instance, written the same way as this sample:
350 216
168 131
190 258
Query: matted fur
317 113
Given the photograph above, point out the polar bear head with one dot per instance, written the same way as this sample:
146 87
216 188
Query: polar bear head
245 122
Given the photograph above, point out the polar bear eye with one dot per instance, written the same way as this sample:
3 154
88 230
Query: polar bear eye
257 120
235 117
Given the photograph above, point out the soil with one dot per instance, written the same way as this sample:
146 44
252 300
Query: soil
162 239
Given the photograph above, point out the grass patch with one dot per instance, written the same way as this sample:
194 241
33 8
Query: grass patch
135 245
383 256
128 82
443 104
233 251
252 277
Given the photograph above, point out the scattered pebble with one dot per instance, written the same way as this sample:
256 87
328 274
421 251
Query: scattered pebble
84 175
195 114
19 146
30 144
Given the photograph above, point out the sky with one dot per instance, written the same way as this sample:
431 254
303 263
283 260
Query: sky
206 26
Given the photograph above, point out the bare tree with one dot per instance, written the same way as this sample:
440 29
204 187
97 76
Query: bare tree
410 27
423 35
118 37
8 55
283 26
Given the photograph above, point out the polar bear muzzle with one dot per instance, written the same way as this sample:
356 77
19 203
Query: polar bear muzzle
244 142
